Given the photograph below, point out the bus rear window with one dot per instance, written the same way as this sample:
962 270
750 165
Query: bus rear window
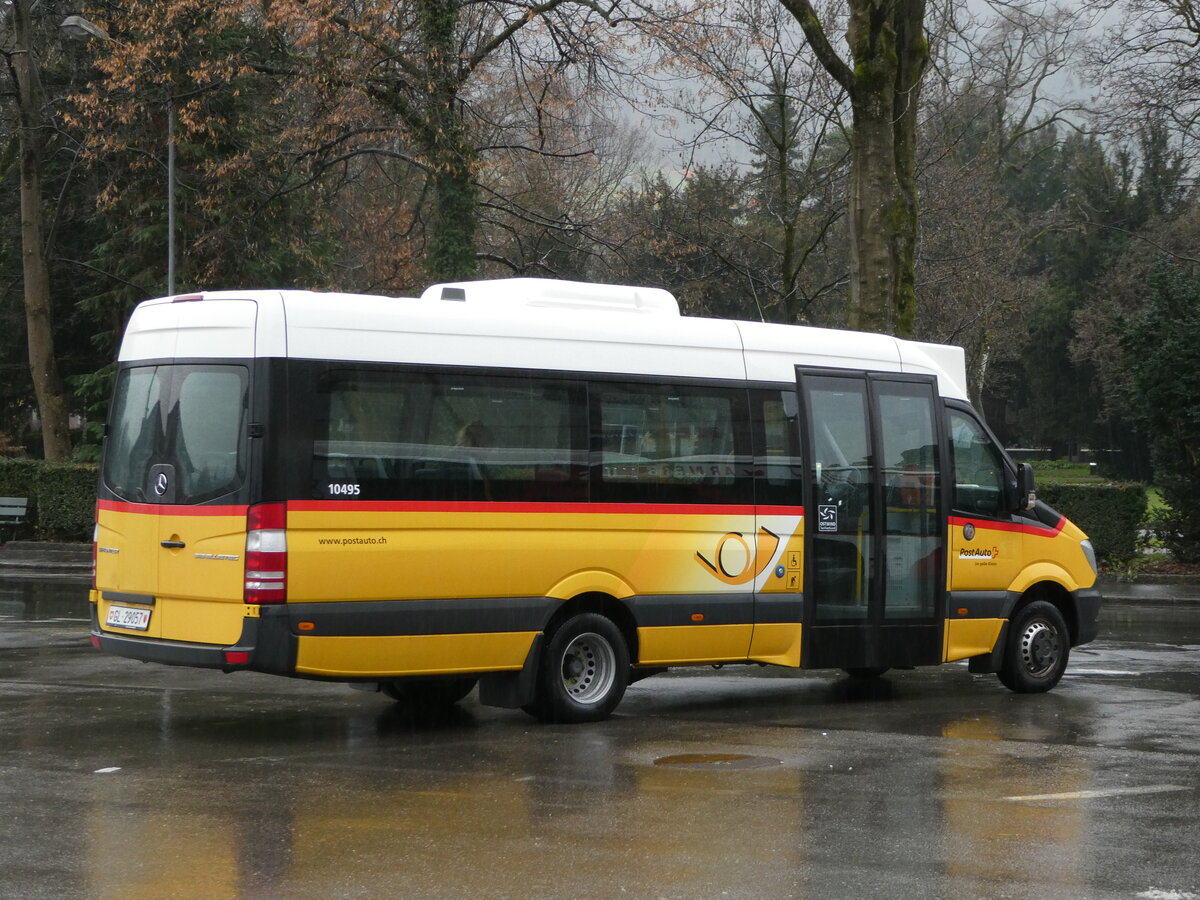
177 433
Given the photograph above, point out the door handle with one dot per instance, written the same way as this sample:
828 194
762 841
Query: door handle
174 545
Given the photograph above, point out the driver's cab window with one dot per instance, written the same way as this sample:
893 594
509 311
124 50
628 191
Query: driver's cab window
978 467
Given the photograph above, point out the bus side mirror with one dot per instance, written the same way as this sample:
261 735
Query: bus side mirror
1026 493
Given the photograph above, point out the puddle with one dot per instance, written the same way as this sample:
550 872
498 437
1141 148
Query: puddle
717 761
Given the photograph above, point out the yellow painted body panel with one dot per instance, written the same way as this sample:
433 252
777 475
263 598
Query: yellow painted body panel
193 621
692 644
989 562
211 566
1014 559
1056 557
202 621
1043 571
777 643
792 561
591 582
398 655
364 554
965 638
127 546
337 555
197 587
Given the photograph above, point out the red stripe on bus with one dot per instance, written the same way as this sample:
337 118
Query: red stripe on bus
989 525
465 506
166 509
451 506
780 511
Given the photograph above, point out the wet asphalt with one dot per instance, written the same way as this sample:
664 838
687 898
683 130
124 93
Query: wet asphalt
124 780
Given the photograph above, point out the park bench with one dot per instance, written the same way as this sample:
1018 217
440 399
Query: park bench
13 511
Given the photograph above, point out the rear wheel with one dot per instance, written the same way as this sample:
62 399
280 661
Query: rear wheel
1037 650
584 671
430 692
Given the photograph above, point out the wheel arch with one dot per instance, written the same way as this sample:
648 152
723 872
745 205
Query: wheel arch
1058 596
603 604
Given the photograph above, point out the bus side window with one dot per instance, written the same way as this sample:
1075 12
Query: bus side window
400 435
778 462
978 467
663 443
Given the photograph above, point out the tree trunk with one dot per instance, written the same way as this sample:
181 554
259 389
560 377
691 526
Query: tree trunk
450 254
39 319
889 52
447 147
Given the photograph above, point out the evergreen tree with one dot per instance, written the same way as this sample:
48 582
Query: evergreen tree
1162 353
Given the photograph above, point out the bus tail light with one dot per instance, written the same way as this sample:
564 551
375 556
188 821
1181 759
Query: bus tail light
266 554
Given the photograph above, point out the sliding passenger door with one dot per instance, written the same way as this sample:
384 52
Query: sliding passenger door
876 573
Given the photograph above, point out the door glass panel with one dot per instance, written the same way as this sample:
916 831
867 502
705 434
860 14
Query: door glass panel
978 471
913 567
842 520
780 466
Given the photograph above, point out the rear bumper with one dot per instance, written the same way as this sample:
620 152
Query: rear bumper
265 645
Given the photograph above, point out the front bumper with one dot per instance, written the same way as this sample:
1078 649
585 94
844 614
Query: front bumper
1087 612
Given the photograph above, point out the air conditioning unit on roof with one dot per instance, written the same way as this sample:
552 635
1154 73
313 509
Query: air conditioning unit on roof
550 293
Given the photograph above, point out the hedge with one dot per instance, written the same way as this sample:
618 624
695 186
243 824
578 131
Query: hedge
1111 514
62 497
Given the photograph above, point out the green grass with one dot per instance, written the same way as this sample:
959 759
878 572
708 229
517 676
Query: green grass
1061 471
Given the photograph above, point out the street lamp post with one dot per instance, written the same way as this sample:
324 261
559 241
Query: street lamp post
170 196
77 28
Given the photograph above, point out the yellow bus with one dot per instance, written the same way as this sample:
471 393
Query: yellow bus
551 489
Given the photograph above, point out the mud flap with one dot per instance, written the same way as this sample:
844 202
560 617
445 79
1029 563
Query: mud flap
512 690
990 663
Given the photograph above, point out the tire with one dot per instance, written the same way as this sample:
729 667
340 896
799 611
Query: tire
429 692
866 673
583 672
1039 644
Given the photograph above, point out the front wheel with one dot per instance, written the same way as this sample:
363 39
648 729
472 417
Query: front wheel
1038 646
584 671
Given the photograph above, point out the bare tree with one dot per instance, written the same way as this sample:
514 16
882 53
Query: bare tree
1147 60
430 66
753 94
1014 62
999 96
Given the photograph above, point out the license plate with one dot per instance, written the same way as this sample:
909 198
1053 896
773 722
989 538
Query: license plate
128 617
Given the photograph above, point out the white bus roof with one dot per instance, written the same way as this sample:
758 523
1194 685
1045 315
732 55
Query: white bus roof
517 323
